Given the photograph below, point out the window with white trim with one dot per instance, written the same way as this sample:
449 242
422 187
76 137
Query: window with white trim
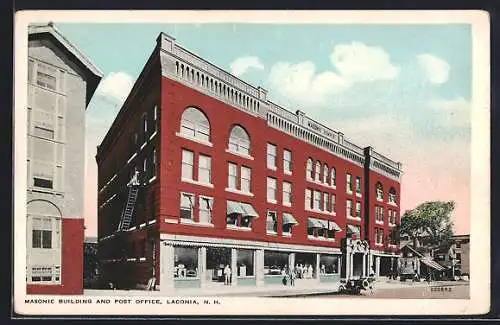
232 176
195 124
348 208
187 206
317 172
271 156
239 140
46 76
380 191
309 169
358 209
205 209
379 214
326 202
392 195
246 179
287 193
271 222
205 169
379 236
271 189
348 185
392 217
317 200
334 203
325 173
358 185
287 161
42 233
187 164
333 177
308 199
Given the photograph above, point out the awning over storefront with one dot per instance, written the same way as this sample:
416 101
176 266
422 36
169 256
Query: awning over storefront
314 223
433 264
353 229
333 226
288 219
249 211
234 207
324 223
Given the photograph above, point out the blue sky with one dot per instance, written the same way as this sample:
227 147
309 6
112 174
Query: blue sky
404 89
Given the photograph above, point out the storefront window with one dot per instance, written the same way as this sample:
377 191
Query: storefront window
217 259
305 265
185 262
275 262
245 262
328 264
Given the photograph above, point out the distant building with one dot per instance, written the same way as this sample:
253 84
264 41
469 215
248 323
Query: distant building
61 82
456 256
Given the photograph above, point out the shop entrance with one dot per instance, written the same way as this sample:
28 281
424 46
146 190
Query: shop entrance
357 264
218 258
305 265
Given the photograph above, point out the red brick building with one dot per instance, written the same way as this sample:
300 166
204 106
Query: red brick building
229 179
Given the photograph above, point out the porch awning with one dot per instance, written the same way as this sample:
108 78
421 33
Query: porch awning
289 219
433 264
324 223
234 207
249 211
352 229
314 223
333 226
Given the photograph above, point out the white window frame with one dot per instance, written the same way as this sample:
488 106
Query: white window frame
202 169
272 190
239 143
325 174
275 223
287 193
187 164
317 172
348 209
308 196
192 199
198 132
358 186
310 169
348 184
326 202
244 180
232 167
201 200
287 162
317 200
272 152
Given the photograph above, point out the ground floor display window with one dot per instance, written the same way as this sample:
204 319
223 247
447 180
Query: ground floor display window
305 265
218 259
328 264
275 263
245 262
185 262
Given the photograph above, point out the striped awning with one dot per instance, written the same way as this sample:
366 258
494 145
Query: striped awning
289 219
333 226
234 207
314 223
353 229
433 264
324 223
249 211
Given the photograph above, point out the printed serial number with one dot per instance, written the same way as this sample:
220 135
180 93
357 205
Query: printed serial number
441 289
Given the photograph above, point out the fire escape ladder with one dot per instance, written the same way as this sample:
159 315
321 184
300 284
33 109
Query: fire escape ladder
128 211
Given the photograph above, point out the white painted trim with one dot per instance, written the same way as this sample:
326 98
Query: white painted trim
133 228
168 220
143 145
142 225
142 259
193 223
233 227
379 222
131 158
200 241
152 179
233 190
320 211
153 135
353 218
239 154
151 222
271 233
287 172
358 194
273 168
206 143
287 204
192 181
272 201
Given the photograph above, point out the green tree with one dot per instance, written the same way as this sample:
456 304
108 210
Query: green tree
429 225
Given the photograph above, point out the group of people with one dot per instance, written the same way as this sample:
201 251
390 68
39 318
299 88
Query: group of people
298 272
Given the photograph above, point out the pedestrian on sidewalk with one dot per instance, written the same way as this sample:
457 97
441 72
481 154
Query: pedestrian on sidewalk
292 277
227 275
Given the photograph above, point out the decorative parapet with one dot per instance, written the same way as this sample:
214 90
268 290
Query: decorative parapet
384 165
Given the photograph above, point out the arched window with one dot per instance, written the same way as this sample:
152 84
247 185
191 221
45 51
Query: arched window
239 141
333 177
309 169
325 173
317 173
392 195
380 191
195 124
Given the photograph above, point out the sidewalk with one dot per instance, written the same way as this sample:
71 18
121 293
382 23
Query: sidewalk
300 289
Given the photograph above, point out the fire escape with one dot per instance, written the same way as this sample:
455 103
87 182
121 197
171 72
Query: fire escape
128 211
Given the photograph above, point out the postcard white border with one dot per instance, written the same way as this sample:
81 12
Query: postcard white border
479 301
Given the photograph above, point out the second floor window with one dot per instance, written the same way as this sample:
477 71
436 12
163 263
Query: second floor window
246 179
308 199
195 124
232 178
205 209
187 164
271 189
392 195
205 169
379 214
317 200
334 203
326 202
379 236
287 193
348 208
187 206
358 209
272 222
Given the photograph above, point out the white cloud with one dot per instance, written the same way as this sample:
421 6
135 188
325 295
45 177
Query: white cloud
452 112
115 87
436 69
359 62
243 64
355 62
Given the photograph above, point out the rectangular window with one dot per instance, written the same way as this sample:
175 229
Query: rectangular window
232 175
187 206
185 262
187 164
358 185
358 209
379 235
334 203
41 234
271 189
272 222
46 76
271 156
326 202
205 209
287 161
246 178
348 208
42 182
379 214
308 199
349 184
317 200
44 132
287 193
205 169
